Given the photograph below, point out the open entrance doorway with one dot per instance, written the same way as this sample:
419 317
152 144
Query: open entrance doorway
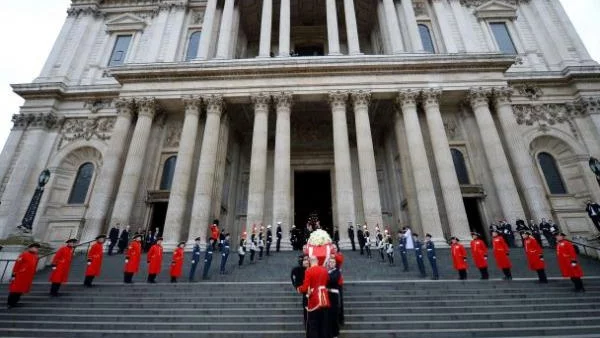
312 199
474 216
159 215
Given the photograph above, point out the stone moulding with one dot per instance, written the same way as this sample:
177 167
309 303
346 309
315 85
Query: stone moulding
86 129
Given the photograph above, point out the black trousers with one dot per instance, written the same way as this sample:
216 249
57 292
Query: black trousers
317 324
278 244
111 247
152 278
268 249
241 261
341 311
462 274
333 314
88 281
173 279
252 253
484 273
542 276
352 243
507 273
128 277
13 299
260 252
578 284
54 289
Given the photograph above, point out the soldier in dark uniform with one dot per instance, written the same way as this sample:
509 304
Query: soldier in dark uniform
208 258
224 254
253 246
431 256
298 278
294 237
195 259
545 229
535 232
261 243
351 236
336 238
379 242
333 286
361 239
508 234
123 240
521 227
269 239
242 249
113 236
221 239
402 249
278 234
419 254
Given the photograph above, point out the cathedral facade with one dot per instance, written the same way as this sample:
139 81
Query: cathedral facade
445 115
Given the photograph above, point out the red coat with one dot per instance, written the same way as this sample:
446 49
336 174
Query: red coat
214 232
567 260
61 265
132 257
315 286
459 256
479 253
94 259
339 259
155 259
501 252
23 272
535 254
177 263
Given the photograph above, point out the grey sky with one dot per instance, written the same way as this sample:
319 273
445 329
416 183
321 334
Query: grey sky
29 28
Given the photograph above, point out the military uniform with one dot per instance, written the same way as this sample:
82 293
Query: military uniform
22 274
224 254
269 240
402 249
61 265
94 261
351 236
431 256
208 258
278 234
419 255
195 259
242 250
361 240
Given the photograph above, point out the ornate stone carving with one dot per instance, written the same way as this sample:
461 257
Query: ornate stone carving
478 96
361 98
451 128
192 104
477 3
588 105
45 120
125 106
261 102
420 8
20 121
214 104
529 90
545 115
172 4
311 132
283 99
502 95
338 98
173 135
84 10
431 96
86 129
407 97
147 106
96 105
197 18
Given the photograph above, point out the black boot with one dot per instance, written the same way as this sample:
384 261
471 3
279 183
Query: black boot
152 278
13 299
87 282
507 274
484 273
542 276
54 289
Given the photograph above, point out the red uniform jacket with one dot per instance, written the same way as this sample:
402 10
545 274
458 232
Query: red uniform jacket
567 260
155 259
535 254
459 256
23 272
479 252
177 264
501 253
132 257
339 260
315 287
214 232
62 263
94 259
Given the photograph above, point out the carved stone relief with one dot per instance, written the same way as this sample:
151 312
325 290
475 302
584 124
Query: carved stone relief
545 115
86 129
173 135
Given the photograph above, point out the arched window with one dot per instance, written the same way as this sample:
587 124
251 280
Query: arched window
551 174
82 184
167 174
192 48
460 166
426 38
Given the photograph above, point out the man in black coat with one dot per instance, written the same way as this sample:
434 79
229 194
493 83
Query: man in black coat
361 240
351 236
113 236
278 234
297 276
593 211
123 240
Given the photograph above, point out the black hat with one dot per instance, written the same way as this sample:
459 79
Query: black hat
475 234
137 236
415 234
197 239
455 238
72 240
159 239
181 243
216 221
100 236
526 233
428 235
493 230
34 245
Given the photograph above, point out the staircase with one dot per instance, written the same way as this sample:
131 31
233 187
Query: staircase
258 301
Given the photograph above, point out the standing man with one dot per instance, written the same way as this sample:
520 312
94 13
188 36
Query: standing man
419 254
567 261
389 249
195 259
508 234
61 264
269 239
351 236
459 257
242 249
402 249
336 238
361 238
294 237
113 236
336 281
278 233
593 211
297 277
214 232
380 244
479 253
252 245
94 261
132 259
535 256
22 274
124 240
545 229
521 227
431 256
501 253
536 233
315 282
367 236
261 243
155 255
208 258
225 253
177 262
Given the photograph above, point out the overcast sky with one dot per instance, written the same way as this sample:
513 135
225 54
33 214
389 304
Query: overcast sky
29 28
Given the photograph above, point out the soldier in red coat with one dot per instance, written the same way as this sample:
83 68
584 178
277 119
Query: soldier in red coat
132 258
154 259
214 232
480 256
535 256
501 253
315 282
61 264
94 261
567 261
177 262
22 274
459 257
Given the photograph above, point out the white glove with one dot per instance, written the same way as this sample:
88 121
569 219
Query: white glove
89 263
126 261
53 268
193 262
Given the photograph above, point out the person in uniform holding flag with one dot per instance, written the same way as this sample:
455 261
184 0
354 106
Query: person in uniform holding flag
314 286
479 252
501 254
459 257
133 257
535 256
61 264
177 262
567 261
22 274
94 261
154 258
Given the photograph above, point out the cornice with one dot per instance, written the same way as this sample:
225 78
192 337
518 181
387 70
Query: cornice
477 3
62 91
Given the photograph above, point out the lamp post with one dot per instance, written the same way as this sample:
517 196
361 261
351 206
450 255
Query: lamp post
27 222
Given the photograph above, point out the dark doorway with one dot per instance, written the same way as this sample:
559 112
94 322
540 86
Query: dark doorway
159 215
312 196
474 217
310 50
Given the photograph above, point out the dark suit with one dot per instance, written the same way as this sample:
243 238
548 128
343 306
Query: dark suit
113 237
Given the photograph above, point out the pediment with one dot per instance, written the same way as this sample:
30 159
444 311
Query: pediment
125 22
496 9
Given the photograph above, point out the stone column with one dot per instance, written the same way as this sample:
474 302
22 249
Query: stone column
333 35
343 170
446 31
108 177
284 29
183 169
225 30
258 161
426 202
411 24
282 171
206 37
351 28
366 159
455 207
134 164
11 146
393 26
265 29
529 179
496 158
206 169
464 28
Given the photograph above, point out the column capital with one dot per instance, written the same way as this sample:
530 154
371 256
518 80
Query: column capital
407 97
338 98
361 98
192 104
45 120
261 102
502 95
125 106
214 104
147 106
431 96
283 100
478 96
20 121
